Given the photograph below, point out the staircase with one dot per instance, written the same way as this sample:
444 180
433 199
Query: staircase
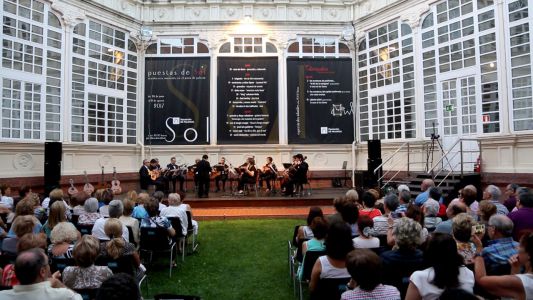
449 186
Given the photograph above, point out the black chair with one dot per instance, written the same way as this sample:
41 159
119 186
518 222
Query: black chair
308 263
179 237
190 232
175 297
84 229
59 264
87 294
156 240
330 288
74 219
130 236
123 264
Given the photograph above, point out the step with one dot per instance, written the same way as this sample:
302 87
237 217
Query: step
255 212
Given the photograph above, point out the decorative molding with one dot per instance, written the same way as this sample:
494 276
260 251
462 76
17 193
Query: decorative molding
23 161
105 160
70 15
413 16
282 39
213 38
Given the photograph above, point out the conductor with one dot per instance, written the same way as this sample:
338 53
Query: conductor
203 171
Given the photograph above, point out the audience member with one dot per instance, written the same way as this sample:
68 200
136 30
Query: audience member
347 212
319 226
516 285
381 223
139 212
511 195
26 242
78 201
85 275
486 210
115 211
107 197
423 197
6 200
457 293
188 208
453 210
56 216
415 212
91 213
493 194
446 270
401 262
119 287
56 195
333 264
523 217
116 246
174 210
369 200
404 196
431 210
353 195
462 233
156 221
129 221
21 226
500 247
159 196
365 238
365 269
63 237
25 208
36 282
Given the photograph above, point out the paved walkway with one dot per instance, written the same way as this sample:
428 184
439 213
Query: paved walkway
254 212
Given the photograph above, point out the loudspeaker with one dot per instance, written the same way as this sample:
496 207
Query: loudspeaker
373 178
374 149
53 153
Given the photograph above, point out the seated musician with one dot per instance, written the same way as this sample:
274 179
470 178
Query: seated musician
301 173
222 169
297 174
248 174
268 173
155 173
174 174
192 170
287 185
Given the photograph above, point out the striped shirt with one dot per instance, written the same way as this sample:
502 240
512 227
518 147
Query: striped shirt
498 252
381 292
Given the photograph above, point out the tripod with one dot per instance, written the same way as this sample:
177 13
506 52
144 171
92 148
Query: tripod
435 139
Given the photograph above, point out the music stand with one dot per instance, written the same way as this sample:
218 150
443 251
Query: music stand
287 165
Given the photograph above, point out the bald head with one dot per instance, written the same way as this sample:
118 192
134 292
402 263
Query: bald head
29 266
426 184
503 226
455 208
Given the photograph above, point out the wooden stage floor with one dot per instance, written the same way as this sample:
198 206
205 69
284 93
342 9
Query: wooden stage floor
224 205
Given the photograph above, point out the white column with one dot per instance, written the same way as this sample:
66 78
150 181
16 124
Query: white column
501 54
282 98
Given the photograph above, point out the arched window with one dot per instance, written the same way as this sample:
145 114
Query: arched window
318 46
248 45
104 84
31 72
386 83
178 46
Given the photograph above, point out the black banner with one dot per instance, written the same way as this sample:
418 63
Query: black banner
176 105
247 100
320 101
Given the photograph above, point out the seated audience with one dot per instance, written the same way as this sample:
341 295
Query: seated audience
523 217
139 212
174 210
129 221
32 200
431 210
107 197
56 216
365 269
369 201
404 196
333 264
462 233
511 194
381 223
36 282
21 226
115 211
319 226
159 196
468 196
155 221
405 258
91 213
494 194
85 275
486 210
353 195
365 238
25 208
446 270
457 293
501 246
305 232
119 287
516 285
6 200
451 211
56 195
424 187
188 208
78 201
414 212
26 242
63 237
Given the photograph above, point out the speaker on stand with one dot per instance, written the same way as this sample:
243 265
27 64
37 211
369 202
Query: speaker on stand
374 161
53 153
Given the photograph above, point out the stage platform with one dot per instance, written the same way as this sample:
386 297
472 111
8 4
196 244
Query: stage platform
224 205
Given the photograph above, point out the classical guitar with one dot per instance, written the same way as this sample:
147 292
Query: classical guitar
102 184
115 183
72 190
88 187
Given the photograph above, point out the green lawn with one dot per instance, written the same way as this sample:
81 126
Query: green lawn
236 259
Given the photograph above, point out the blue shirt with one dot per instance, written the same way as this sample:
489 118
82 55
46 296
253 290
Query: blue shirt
422 198
498 252
139 212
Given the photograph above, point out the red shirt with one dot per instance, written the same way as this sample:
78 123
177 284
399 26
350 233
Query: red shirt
371 213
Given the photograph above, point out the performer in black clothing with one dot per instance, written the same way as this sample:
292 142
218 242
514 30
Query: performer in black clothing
144 175
173 174
222 170
268 173
156 174
248 174
192 170
301 174
296 174
203 171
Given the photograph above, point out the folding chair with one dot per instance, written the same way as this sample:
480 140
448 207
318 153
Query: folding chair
330 288
179 237
156 240
74 219
123 264
130 236
308 263
300 187
84 229
254 185
59 264
190 232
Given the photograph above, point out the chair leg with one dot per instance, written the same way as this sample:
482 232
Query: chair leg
184 247
171 260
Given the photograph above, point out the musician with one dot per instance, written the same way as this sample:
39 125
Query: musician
144 176
248 174
203 171
222 174
192 170
287 186
155 173
268 173
301 174
174 174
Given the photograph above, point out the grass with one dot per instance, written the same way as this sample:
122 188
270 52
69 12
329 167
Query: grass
236 259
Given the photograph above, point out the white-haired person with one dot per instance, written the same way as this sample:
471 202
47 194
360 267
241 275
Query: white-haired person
494 194
91 213
176 210
63 237
431 210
